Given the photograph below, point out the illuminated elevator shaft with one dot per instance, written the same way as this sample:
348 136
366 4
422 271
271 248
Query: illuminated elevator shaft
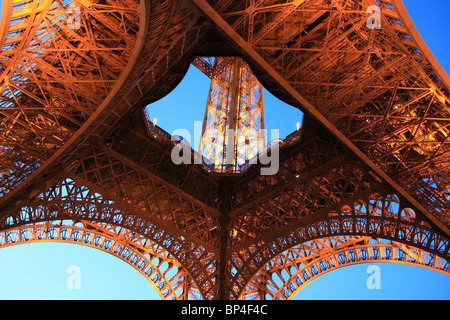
233 125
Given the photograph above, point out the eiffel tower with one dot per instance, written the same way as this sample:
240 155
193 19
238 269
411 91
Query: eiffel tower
366 179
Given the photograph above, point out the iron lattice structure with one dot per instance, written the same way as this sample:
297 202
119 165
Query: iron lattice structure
365 180
233 125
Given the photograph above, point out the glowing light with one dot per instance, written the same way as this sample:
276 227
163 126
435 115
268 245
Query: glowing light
441 99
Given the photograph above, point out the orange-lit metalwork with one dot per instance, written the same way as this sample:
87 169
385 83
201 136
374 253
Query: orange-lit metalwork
366 178
233 126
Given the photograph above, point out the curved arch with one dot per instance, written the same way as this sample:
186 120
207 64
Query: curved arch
40 44
69 201
145 256
304 263
380 222
160 53
143 231
154 58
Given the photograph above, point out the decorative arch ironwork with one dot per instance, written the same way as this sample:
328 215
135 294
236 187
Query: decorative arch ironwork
376 216
152 261
62 97
289 272
73 202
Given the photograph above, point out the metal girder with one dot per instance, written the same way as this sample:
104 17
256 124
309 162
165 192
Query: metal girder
149 259
71 200
325 51
374 216
144 191
285 275
376 105
258 61
233 125
154 59
319 186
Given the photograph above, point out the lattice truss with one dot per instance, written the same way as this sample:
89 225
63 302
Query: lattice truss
381 88
54 77
234 113
364 180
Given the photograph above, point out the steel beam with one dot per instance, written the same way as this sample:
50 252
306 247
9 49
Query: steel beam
248 51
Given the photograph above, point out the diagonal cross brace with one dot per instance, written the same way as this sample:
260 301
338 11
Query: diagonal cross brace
258 61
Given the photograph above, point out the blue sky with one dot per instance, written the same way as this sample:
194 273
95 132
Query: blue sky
39 270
